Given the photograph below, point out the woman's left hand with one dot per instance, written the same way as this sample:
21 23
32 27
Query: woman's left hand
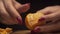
10 11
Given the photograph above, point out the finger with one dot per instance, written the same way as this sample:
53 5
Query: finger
48 28
49 9
12 11
16 4
21 7
24 8
44 12
9 22
4 14
50 17
2 9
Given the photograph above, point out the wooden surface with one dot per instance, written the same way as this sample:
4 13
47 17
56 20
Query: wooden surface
22 32
28 32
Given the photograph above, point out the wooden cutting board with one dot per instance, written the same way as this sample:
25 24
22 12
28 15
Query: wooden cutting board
22 32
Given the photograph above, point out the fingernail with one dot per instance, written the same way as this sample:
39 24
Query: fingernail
19 21
37 29
42 19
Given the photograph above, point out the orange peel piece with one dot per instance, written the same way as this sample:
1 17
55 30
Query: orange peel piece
5 31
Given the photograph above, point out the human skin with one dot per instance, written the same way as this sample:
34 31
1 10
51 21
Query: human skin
52 16
10 11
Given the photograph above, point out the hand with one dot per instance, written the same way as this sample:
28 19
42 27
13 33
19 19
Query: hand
10 11
52 14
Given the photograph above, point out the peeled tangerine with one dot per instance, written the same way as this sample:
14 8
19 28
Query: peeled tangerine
31 20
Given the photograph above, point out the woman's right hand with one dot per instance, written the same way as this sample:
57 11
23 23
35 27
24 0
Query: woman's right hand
52 17
10 11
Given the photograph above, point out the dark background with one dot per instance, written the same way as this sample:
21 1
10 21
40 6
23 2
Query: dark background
35 5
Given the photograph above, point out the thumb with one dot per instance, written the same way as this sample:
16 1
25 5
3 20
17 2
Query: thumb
47 28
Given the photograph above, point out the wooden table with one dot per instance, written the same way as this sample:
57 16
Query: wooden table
22 32
28 32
